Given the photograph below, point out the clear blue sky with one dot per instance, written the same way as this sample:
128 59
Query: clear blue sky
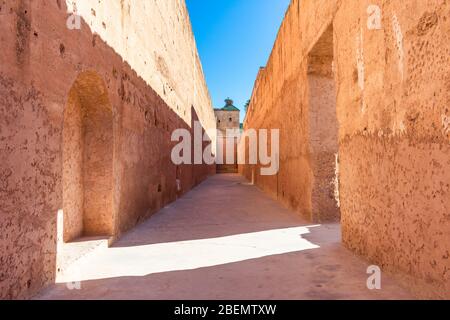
234 38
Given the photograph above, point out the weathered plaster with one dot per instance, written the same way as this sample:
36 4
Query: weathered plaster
144 54
392 105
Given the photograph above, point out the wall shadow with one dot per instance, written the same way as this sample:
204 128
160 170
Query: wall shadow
185 253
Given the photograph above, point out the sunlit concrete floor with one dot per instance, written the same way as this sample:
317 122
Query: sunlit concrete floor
224 240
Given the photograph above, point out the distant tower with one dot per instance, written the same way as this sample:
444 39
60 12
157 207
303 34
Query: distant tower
227 118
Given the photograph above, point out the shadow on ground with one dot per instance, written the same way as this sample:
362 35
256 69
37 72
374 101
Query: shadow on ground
224 240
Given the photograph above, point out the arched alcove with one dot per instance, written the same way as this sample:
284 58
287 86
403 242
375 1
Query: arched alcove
88 159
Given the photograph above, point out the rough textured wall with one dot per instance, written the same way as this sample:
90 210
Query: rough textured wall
392 104
395 148
280 100
145 56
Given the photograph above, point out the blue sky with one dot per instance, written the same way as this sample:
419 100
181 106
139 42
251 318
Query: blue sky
234 38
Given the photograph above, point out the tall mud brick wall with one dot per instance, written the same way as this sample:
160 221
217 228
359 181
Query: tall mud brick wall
86 117
360 91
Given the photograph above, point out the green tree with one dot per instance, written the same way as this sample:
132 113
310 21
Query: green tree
247 104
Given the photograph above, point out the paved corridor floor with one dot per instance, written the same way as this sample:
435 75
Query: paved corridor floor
224 240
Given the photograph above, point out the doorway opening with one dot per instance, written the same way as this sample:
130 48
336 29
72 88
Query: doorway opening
323 129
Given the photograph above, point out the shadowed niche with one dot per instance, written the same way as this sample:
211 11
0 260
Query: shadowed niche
323 130
88 159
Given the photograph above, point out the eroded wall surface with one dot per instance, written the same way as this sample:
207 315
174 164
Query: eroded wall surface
145 55
392 76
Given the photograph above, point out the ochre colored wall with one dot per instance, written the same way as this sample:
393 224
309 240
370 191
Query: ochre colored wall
145 55
392 102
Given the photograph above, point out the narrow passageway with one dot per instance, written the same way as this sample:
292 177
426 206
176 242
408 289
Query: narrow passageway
224 240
